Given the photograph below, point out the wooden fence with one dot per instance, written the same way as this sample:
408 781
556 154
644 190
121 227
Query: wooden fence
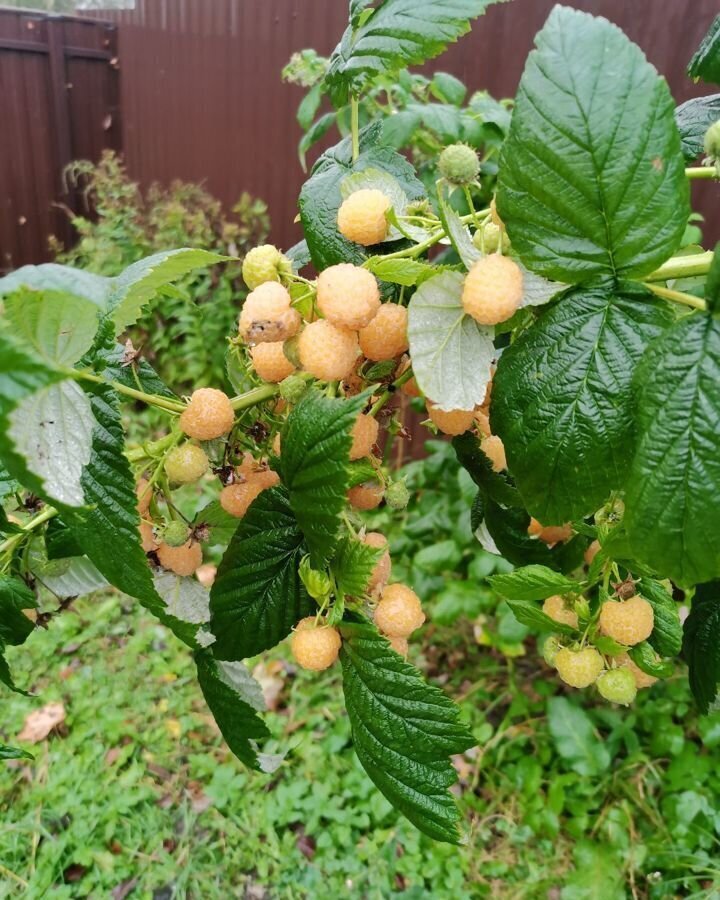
59 101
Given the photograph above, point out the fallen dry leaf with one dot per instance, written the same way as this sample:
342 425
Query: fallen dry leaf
41 722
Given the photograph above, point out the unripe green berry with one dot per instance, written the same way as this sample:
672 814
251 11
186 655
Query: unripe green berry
459 164
550 650
397 495
176 534
293 387
711 143
488 238
264 263
317 583
617 686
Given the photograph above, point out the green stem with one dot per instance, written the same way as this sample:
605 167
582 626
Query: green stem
14 540
683 267
677 296
387 394
355 126
255 396
173 406
701 173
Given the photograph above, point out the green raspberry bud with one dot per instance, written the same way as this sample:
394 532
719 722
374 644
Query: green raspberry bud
264 263
550 650
711 144
459 164
397 495
176 534
617 686
488 238
292 388
317 583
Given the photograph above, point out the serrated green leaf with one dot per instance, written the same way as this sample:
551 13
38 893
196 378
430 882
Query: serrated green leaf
60 327
592 179
184 597
442 341
575 739
701 645
532 583
693 118
59 541
73 576
15 596
14 753
316 443
457 232
666 636
403 731
315 132
58 279
236 718
672 515
644 657
530 614
222 525
495 485
564 405
400 271
705 63
353 565
258 596
361 471
398 129
398 33
309 106
448 88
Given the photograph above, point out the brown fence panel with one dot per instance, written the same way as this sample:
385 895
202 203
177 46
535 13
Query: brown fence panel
202 97
59 96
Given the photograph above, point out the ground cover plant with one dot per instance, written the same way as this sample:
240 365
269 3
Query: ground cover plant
572 353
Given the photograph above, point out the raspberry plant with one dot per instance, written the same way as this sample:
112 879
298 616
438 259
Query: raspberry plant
572 349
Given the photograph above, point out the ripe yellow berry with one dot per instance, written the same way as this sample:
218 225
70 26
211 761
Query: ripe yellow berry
236 498
314 647
456 421
326 351
591 552
494 449
147 538
181 560
361 218
399 611
557 610
267 315
482 422
627 621
550 534
399 645
364 436
270 361
186 463
366 496
208 415
144 494
493 290
579 668
386 336
348 295
642 679
409 388
264 263
381 572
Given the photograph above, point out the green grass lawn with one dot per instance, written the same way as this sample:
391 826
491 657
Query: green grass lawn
139 792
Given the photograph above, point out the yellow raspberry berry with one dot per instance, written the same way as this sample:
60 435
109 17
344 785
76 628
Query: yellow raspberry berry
364 436
348 295
361 218
399 645
314 647
579 668
591 552
642 679
627 621
181 560
186 463
550 534
267 315
236 498
494 449
482 423
617 686
381 572
144 494
326 351
493 290
264 263
270 362
557 610
366 496
208 415
147 537
266 478
399 611
456 421
409 388
386 336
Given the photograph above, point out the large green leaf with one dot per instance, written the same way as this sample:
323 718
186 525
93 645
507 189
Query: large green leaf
235 709
693 119
60 327
591 176
532 583
15 596
451 353
563 403
353 565
672 514
403 731
666 635
701 644
574 738
320 197
530 614
398 33
705 63
316 445
258 596
58 279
